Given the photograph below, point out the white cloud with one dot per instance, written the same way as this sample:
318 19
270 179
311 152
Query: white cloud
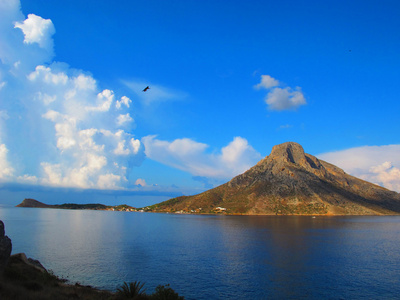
140 182
60 128
281 98
377 164
37 30
6 171
123 119
104 101
46 75
121 150
267 82
135 145
188 155
238 156
45 98
13 51
85 173
27 179
285 99
109 182
385 174
124 101
84 82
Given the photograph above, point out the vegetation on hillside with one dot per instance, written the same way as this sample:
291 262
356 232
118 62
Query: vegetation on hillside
21 281
32 203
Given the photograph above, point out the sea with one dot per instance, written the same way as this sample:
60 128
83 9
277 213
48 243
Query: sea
215 256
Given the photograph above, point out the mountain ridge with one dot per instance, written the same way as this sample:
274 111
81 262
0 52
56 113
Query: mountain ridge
290 182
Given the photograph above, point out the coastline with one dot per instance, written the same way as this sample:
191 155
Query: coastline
32 203
27 279
23 279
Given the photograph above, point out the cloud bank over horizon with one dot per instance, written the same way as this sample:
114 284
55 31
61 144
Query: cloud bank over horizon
190 156
376 164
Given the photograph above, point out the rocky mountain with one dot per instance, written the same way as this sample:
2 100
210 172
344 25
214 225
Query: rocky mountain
290 182
33 203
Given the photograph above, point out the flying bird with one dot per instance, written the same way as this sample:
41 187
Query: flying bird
146 88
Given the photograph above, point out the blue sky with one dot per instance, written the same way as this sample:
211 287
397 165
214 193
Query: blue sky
228 81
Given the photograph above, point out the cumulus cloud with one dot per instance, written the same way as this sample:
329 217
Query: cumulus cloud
377 164
37 30
24 43
140 182
387 175
57 127
190 156
267 82
124 119
124 101
6 171
285 99
279 97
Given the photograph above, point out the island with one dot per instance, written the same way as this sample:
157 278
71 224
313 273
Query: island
92 206
286 182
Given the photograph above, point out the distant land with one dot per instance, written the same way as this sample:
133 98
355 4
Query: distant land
287 182
96 206
290 182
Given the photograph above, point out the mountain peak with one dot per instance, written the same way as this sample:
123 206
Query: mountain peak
292 155
290 181
32 203
290 152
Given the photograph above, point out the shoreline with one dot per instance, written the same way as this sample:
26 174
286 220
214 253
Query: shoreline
32 203
27 279
229 214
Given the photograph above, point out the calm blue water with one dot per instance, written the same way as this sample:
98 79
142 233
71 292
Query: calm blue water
215 257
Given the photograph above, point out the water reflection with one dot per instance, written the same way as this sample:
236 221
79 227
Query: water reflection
209 257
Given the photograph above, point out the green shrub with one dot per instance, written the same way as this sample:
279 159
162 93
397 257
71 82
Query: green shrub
165 293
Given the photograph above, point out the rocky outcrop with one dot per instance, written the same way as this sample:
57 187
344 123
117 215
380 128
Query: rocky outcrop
5 247
33 203
290 181
29 261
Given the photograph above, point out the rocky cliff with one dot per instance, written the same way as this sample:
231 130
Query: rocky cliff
289 181
5 247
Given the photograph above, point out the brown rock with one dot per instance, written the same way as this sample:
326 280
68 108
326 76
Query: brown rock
29 261
33 203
